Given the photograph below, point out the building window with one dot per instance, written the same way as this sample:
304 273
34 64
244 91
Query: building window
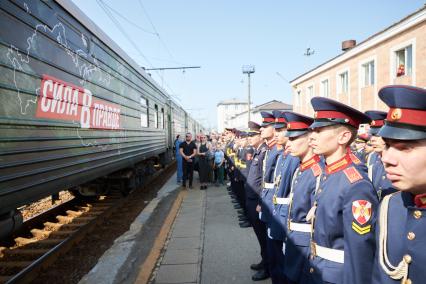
343 83
144 112
309 94
156 117
325 90
368 71
404 61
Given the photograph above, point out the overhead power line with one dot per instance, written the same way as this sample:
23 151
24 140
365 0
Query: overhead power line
155 30
127 20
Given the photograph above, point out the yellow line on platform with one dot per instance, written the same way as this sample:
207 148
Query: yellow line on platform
145 270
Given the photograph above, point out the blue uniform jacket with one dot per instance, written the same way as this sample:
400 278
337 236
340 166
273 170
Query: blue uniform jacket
297 243
268 177
253 184
278 221
381 183
406 235
346 208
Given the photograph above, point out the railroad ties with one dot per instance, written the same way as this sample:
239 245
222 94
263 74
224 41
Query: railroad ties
23 261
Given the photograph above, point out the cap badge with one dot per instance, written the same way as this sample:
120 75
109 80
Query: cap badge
315 114
396 114
288 126
373 122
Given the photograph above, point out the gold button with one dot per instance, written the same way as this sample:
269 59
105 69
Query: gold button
311 270
319 190
408 281
411 236
407 258
324 178
417 214
383 177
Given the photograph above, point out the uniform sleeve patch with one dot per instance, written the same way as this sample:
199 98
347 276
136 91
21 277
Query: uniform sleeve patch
352 174
362 230
316 169
361 210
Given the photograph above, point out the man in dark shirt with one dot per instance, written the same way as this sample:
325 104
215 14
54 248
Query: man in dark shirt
188 150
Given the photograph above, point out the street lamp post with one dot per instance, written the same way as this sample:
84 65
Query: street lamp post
248 69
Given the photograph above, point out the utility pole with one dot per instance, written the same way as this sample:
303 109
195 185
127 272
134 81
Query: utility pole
248 69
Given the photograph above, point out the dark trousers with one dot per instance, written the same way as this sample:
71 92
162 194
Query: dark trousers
218 172
259 229
276 260
240 191
188 172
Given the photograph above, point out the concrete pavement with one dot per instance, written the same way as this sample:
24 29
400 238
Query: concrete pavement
206 245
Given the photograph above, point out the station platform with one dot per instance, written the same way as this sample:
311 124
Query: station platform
199 241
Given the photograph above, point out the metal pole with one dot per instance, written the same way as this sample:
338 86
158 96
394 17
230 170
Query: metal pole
248 96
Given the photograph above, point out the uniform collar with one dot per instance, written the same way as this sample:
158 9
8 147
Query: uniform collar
309 163
271 144
420 200
339 164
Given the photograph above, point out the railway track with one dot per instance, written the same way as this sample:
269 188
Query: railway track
38 248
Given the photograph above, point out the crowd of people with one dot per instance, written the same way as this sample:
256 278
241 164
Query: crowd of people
335 198
204 154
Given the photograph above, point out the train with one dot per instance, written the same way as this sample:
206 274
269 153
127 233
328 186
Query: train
75 108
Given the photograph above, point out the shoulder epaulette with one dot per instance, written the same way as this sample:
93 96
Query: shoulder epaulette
316 169
355 159
352 174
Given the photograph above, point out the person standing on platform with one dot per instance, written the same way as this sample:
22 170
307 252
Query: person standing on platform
179 173
276 121
345 205
248 152
305 182
188 150
376 170
401 229
277 202
253 188
203 161
219 160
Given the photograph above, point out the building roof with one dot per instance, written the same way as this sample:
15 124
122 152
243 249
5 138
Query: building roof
232 101
409 21
273 105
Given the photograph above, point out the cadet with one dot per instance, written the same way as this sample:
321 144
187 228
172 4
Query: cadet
240 180
253 188
376 171
304 183
345 206
267 132
359 147
275 150
245 166
286 165
401 228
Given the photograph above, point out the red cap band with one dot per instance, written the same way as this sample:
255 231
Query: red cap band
280 119
296 125
329 114
377 123
268 119
407 116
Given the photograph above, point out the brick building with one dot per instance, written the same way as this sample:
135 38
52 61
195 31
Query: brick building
396 55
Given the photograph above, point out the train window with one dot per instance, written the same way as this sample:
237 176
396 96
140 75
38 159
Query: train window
156 117
144 112
162 118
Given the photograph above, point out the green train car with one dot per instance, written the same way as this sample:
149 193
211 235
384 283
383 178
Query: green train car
74 107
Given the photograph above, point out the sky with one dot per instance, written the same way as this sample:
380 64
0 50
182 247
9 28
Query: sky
221 36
